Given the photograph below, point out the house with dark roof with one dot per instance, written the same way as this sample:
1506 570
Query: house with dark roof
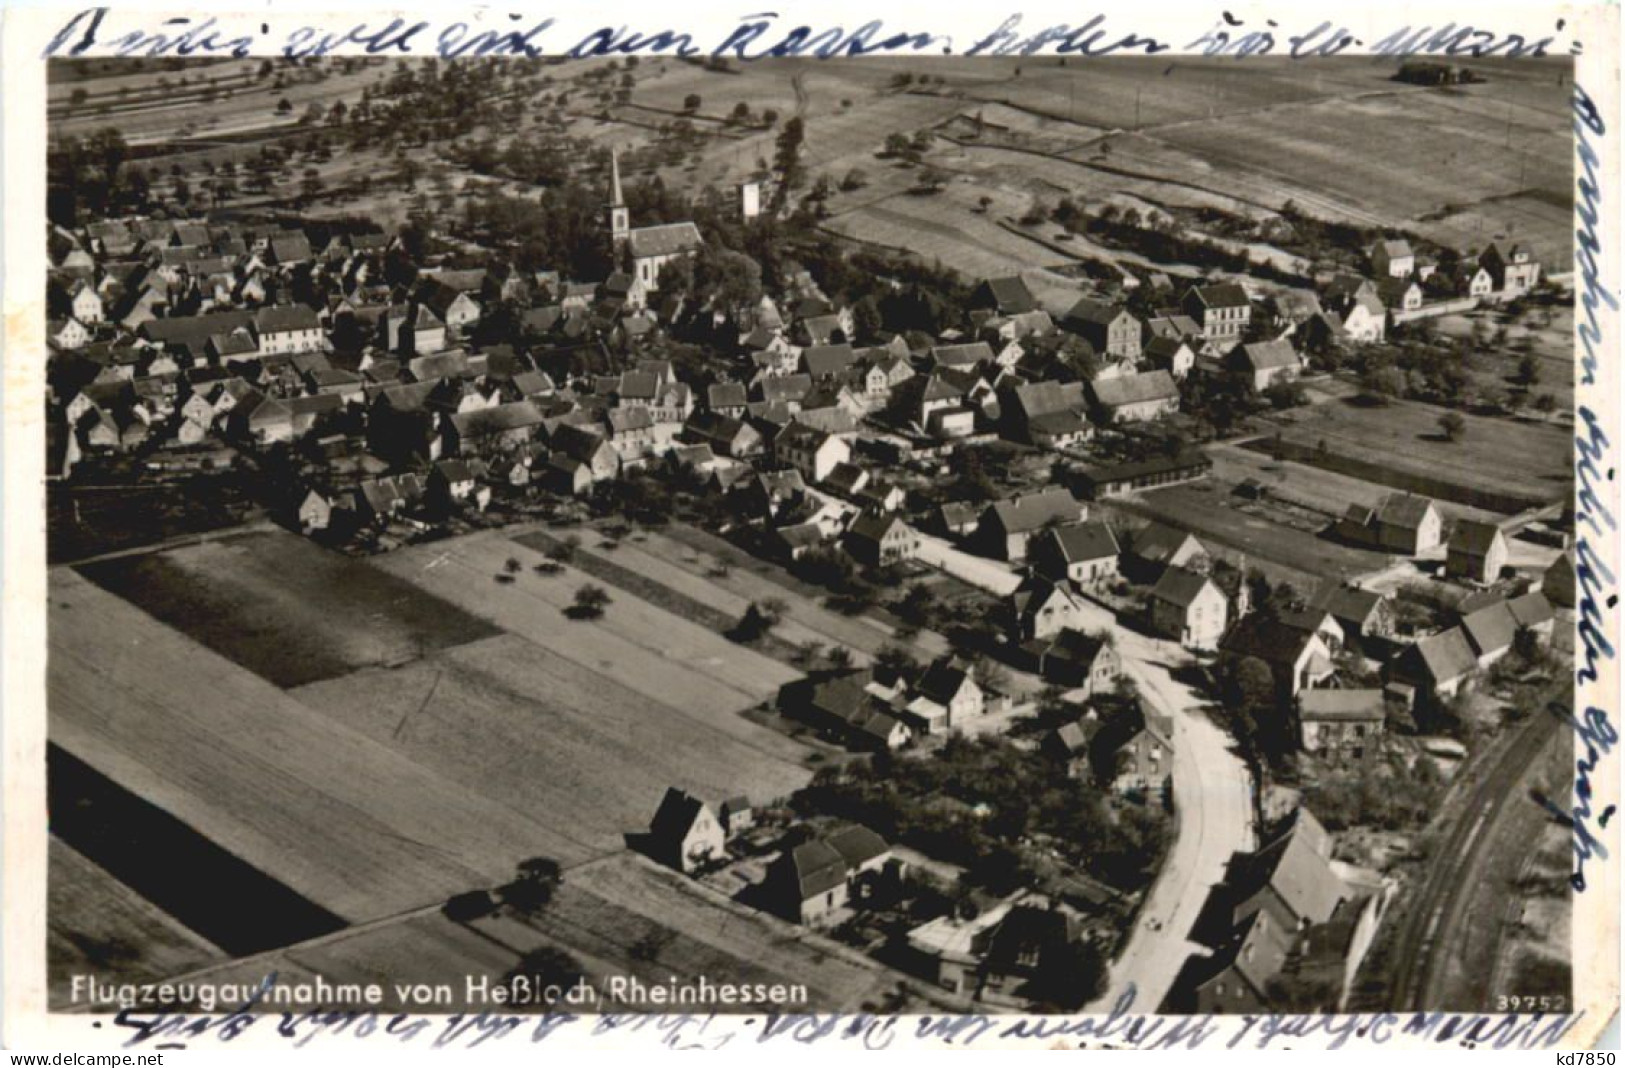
1007 526
1113 480
810 883
845 707
1476 552
1041 607
1264 363
967 356
726 435
1339 722
1490 630
1082 553
824 362
1557 583
1514 270
1074 658
1133 751
1221 311
946 695
1434 668
1111 329
1402 523
1156 547
881 538
1134 398
1392 258
1190 608
1298 656
813 452
684 833
1003 296
1171 354
1278 906
1044 414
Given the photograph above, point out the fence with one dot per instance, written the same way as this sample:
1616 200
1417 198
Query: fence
1443 307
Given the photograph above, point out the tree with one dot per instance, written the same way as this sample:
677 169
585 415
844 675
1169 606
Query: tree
1452 426
839 657
741 112
1529 370
311 186
283 107
589 602
898 146
855 179
542 976
787 157
564 550
1382 382
866 319
692 102
532 887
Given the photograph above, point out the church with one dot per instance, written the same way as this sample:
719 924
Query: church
649 248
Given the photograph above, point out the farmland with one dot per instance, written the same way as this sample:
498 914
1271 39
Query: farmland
97 925
1524 460
443 762
269 602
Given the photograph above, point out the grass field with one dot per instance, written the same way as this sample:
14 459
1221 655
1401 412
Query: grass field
1495 455
286 610
95 925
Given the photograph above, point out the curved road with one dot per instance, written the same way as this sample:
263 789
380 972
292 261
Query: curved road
1212 793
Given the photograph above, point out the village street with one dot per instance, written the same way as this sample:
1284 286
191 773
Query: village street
1212 792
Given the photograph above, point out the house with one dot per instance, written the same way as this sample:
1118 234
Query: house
1083 553
946 695
377 499
726 435
1275 912
1003 296
1476 552
846 480
1045 414
1042 607
287 328
1222 312
825 362
685 834
315 511
1112 480
1133 751
1436 667
1073 658
1262 364
844 706
1298 656
1558 581
737 816
1513 269
1030 943
1400 294
956 519
1490 631
1474 280
1362 614
881 496
796 540
1133 398
1190 608
1007 526
1392 258
455 481
1111 329
1341 722
1534 612
726 398
585 445
1156 547
484 431
881 538
1171 354
813 452
810 882
1402 523
68 334
968 356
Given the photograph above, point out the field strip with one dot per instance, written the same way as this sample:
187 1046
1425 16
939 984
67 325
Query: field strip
339 818
662 655
688 550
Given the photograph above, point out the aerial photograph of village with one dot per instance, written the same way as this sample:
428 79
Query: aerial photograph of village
893 535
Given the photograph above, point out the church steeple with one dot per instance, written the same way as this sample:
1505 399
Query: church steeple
620 219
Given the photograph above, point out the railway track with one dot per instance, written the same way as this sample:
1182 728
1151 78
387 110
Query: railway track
1435 923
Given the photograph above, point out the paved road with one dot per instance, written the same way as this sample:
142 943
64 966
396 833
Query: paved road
1212 792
